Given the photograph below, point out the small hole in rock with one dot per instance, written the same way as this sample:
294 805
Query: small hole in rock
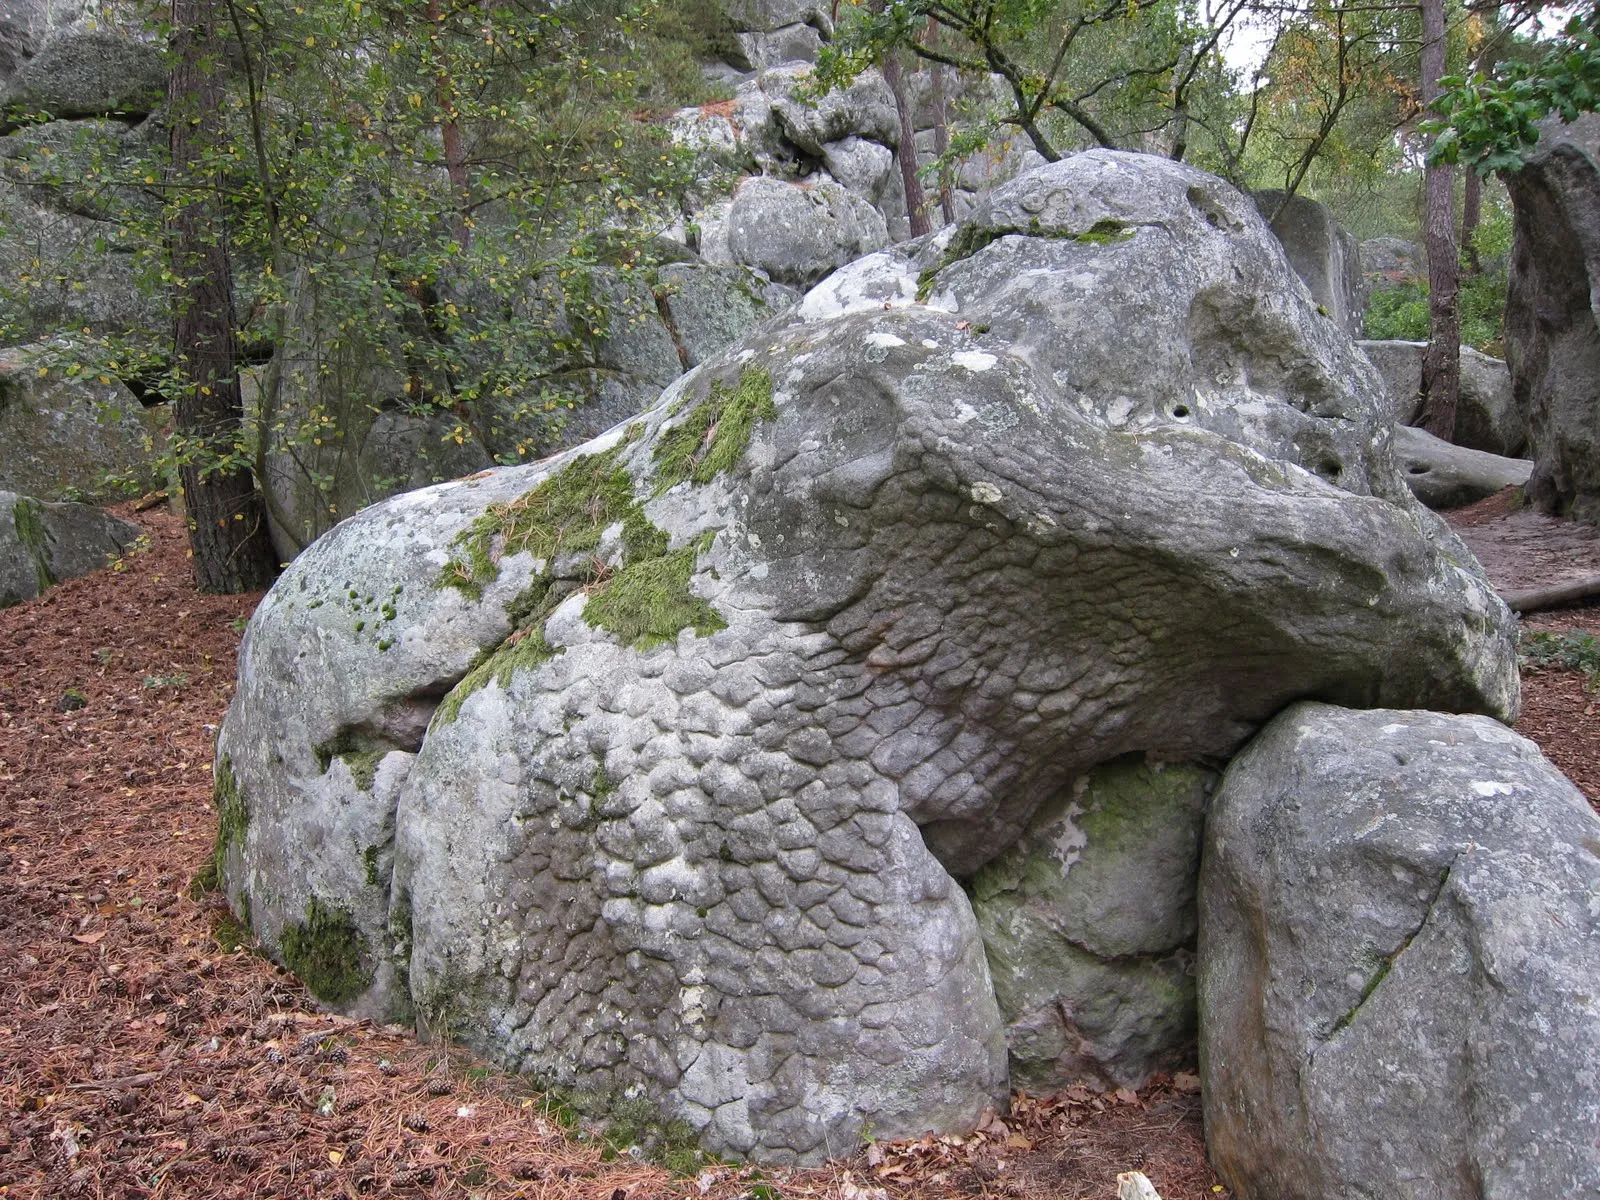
1417 469
1181 411
1330 468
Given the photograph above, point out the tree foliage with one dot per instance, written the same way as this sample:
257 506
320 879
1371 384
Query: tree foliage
1488 121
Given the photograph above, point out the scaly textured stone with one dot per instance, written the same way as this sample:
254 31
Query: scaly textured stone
1115 487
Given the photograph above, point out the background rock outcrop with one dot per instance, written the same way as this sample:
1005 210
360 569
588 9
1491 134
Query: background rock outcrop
1324 254
61 438
710 715
42 543
1551 331
1397 964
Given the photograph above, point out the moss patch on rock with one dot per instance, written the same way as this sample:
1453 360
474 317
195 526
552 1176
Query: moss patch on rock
566 514
328 952
647 603
27 515
233 818
716 433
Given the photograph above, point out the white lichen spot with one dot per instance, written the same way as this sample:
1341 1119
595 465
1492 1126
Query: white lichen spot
755 540
1492 787
985 493
841 520
883 341
929 344
974 360
965 412
746 355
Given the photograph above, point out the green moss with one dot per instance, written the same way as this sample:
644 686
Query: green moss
400 916
231 934
1105 232
363 766
647 603
524 650
233 818
369 860
566 514
328 952
716 433
27 515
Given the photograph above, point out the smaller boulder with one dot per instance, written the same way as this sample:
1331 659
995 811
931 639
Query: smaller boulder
865 109
1443 476
758 51
859 165
798 233
41 544
1486 416
61 438
1089 922
1397 964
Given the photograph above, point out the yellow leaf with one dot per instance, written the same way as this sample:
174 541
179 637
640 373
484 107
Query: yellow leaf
335 1157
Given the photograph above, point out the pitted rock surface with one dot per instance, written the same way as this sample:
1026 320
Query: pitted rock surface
967 552
1397 962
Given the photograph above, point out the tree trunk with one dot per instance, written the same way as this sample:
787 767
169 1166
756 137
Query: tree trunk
941 127
227 522
906 153
1471 214
455 159
1441 365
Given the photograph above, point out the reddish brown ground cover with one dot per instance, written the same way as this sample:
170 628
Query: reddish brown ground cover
140 1058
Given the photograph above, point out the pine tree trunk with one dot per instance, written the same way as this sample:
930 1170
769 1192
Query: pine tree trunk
906 154
1471 215
1441 365
228 533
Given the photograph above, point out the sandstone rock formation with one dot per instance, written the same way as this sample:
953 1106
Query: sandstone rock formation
1551 331
1397 964
61 437
42 543
1088 921
1487 418
1444 476
652 769
1323 253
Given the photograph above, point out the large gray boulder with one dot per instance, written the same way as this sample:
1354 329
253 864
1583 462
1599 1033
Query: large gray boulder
1323 253
42 544
1445 476
86 70
1551 331
797 233
1089 925
61 438
711 715
1487 418
1398 958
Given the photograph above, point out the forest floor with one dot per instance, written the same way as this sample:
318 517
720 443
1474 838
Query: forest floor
143 1054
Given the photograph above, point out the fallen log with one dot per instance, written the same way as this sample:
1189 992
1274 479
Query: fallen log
1555 596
